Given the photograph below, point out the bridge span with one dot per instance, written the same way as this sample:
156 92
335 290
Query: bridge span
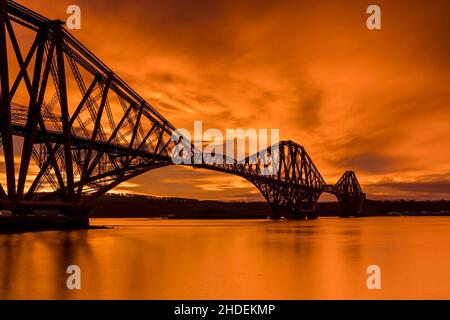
86 131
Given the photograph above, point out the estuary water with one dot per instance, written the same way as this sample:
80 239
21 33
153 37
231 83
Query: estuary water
232 259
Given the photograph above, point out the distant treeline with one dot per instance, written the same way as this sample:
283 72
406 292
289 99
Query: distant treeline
129 205
408 207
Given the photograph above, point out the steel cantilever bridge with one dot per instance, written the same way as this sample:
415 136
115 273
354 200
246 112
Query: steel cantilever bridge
80 131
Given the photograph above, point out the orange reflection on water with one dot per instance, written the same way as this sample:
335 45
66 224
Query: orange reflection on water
233 259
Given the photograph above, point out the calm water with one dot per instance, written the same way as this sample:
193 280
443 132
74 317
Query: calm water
244 259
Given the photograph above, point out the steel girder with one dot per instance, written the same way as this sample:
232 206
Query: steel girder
82 130
350 195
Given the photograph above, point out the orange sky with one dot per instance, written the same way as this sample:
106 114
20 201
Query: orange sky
376 102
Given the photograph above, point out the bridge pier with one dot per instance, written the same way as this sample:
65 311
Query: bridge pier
78 217
312 215
301 215
350 209
292 186
276 215
296 216
18 211
291 212
26 218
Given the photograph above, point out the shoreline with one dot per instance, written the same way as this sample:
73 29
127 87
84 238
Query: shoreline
29 223
22 224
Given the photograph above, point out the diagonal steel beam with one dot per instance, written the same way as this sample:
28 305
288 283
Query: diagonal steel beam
5 107
100 153
52 154
64 109
27 62
54 149
98 120
133 137
84 99
35 103
117 182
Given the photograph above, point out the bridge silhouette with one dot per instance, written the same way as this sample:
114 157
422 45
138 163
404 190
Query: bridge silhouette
87 131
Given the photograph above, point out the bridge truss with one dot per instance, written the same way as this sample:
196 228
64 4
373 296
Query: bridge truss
71 130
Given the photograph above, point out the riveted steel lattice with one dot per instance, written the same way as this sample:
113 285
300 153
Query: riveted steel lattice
72 130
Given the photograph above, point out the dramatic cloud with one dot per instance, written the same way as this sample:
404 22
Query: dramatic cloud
376 102
430 187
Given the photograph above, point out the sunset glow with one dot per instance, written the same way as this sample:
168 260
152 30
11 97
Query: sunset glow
374 101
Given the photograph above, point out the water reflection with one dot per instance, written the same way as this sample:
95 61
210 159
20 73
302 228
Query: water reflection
244 259
34 265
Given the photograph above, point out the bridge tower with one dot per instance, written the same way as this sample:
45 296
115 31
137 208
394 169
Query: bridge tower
298 183
350 195
71 130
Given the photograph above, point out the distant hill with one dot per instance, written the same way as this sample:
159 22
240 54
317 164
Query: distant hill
131 205
147 206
